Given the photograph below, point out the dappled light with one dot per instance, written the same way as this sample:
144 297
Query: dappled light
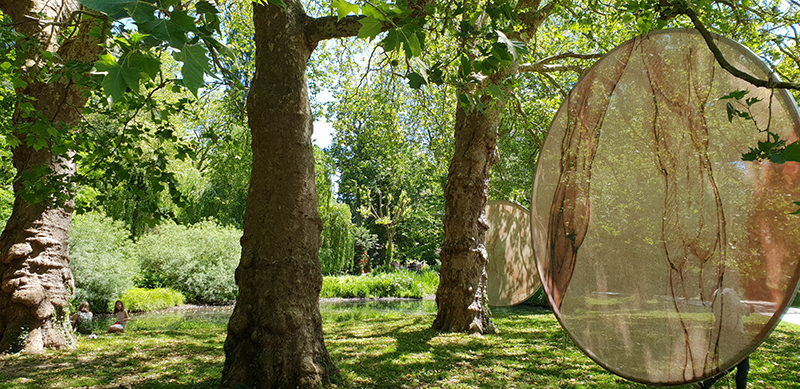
512 273
379 344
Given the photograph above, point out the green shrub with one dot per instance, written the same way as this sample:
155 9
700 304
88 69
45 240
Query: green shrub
402 283
198 260
101 260
141 300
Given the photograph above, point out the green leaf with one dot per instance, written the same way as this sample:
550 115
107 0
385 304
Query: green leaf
106 62
195 66
59 150
797 212
736 95
765 147
510 48
142 12
115 9
131 75
777 158
38 143
116 82
136 38
344 8
752 101
391 42
416 80
496 91
731 112
488 65
414 46
372 12
500 51
370 27
167 31
204 7
147 64
17 82
466 101
12 140
792 152
182 19
222 49
466 66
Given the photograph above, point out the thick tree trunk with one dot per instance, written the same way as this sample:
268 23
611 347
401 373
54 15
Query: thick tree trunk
461 297
275 333
34 248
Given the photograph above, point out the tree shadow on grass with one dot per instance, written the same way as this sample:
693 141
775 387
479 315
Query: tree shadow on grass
385 350
532 351
143 360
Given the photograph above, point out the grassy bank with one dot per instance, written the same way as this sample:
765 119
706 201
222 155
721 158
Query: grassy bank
399 283
380 346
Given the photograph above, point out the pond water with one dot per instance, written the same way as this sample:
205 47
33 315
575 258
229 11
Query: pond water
170 320
179 319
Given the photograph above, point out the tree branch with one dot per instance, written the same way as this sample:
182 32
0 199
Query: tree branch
736 72
331 27
569 54
541 68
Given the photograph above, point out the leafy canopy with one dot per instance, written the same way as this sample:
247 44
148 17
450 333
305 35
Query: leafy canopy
160 24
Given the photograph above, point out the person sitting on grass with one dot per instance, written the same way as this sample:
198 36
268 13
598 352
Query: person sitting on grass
122 318
82 320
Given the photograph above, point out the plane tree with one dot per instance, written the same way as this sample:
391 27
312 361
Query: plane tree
54 43
275 332
508 46
54 52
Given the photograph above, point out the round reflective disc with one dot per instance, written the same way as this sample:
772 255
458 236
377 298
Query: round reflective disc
666 256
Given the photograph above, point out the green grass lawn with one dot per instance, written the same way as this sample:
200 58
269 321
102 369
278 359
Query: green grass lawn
382 346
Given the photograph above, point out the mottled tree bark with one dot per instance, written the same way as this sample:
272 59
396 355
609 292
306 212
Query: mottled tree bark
34 248
461 297
275 333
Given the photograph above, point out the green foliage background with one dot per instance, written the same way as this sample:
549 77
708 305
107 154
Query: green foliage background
197 260
103 261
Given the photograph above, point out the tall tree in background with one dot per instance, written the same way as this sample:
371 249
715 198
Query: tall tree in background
486 71
385 152
34 247
461 297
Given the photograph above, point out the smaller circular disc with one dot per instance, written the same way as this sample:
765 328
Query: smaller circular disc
513 277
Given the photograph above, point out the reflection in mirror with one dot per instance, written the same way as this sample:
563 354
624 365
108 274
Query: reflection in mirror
666 257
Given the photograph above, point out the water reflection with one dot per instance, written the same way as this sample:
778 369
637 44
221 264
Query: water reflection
171 320
181 319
